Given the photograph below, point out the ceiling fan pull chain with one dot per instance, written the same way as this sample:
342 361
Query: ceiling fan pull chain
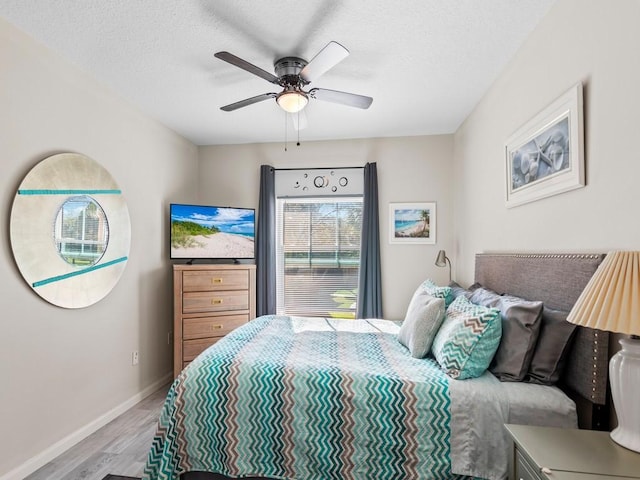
298 143
285 131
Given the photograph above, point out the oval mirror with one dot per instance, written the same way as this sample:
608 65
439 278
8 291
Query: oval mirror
81 231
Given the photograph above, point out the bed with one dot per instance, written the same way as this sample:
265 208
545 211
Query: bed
289 397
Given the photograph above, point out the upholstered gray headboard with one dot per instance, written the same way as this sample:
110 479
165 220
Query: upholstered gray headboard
557 280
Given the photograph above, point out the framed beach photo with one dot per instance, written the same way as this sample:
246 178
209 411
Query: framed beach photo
545 156
412 222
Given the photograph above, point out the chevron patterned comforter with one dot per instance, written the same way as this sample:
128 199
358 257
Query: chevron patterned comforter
307 399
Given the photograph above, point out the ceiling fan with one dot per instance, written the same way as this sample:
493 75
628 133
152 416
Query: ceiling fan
293 74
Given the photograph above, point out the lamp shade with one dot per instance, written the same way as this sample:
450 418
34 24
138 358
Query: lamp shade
611 302
441 259
611 299
292 101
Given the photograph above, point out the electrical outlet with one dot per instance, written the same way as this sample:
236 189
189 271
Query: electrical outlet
134 358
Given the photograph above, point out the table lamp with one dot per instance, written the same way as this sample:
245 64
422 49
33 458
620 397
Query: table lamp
442 260
611 302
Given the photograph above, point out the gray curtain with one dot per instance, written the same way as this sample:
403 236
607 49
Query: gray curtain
370 283
266 249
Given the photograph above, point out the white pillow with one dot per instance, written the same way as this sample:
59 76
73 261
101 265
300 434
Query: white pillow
424 317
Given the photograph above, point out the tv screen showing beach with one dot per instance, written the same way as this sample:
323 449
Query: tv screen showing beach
212 232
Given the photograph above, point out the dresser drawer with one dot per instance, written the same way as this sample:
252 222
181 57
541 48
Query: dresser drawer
200 302
201 327
524 470
207 280
192 348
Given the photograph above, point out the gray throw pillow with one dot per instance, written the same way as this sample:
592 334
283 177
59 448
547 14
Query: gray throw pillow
424 317
554 344
521 321
457 290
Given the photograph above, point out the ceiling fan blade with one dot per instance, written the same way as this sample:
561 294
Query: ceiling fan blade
247 101
249 67
326 59
344 98
299 120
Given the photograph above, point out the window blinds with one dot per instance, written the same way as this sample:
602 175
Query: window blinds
318 256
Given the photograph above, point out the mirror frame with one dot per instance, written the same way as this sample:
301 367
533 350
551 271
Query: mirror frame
37 202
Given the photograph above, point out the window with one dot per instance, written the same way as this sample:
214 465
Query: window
318 256
81 231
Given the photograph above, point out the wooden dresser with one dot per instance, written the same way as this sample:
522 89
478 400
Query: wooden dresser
208 302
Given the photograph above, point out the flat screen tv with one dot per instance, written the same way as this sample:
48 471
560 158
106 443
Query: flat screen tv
209 232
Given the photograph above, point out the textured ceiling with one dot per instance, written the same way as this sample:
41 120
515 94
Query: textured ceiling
426 63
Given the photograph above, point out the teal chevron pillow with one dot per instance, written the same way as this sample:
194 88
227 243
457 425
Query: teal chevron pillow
468 339
438 292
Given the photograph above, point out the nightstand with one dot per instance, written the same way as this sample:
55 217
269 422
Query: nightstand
544 453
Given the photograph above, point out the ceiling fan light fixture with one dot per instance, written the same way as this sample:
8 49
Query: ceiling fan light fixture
292 101
293 74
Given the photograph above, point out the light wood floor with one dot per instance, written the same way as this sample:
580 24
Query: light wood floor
120 447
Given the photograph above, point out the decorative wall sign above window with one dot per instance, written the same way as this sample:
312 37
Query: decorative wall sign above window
319 182
70 230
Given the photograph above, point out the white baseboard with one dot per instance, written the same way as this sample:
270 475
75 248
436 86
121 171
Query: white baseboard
44 457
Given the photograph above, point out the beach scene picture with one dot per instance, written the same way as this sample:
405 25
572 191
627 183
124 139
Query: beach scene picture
412 223
212 232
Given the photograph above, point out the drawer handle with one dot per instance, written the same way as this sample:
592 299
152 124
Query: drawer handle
216 280
216 301
216 327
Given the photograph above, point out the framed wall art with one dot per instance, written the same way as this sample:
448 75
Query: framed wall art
545 156
412 222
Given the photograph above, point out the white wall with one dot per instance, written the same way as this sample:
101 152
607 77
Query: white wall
591 41
62 369
410 169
